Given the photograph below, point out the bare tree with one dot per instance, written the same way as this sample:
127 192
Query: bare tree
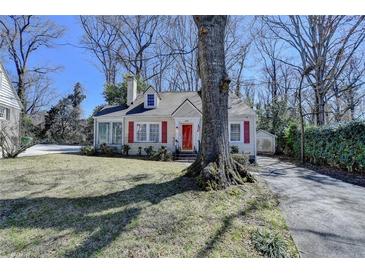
101 38
347 93
136 35
277 83
237 47
181 39
40 93
22 36
214 166
326 43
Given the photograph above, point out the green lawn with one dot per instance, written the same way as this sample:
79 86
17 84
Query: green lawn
78 206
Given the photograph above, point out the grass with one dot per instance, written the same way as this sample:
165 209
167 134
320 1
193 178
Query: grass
77 206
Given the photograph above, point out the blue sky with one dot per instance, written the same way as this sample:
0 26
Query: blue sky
77 65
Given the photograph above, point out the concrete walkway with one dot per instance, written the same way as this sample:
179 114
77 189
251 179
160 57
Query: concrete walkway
49 149
326 216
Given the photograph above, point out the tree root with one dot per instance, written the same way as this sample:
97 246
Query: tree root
219 174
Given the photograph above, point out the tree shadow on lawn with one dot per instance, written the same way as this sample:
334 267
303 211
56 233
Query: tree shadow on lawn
81 214
226 226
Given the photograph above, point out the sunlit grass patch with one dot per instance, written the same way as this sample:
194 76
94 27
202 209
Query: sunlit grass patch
75 206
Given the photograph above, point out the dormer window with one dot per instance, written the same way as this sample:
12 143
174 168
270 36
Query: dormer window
150 100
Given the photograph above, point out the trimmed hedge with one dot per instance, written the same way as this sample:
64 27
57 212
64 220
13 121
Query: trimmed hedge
341 146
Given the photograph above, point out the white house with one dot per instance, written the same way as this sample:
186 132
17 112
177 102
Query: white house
10 108
170 119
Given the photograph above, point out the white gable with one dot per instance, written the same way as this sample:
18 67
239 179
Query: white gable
8 96
186 109
149 92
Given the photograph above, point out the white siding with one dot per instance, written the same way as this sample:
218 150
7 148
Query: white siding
7 96
249 148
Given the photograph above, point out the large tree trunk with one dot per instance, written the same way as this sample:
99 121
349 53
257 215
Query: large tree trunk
214 167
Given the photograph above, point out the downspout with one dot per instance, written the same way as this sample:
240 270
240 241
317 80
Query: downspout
255 141
94 141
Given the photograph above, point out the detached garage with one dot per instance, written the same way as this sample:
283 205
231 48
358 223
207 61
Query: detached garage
265 142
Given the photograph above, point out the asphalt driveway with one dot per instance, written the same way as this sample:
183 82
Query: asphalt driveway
43 149
326 216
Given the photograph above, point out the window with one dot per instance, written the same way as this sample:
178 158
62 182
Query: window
103 133
235 132
4 113
148 132
150 100
141 133
117 134
154 133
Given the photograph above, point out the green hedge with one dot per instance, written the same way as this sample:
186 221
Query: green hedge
340 146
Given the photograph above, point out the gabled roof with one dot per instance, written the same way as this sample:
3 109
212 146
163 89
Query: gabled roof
151 88
266 132
110 109
170 102
183 103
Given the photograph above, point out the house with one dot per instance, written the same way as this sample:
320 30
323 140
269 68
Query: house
266 142
170 119
10 108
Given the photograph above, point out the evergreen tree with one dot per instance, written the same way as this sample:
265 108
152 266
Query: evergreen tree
117 94
62 122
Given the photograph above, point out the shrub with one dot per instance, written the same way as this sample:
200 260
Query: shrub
269 244
162 155
88 150
149 151
10 147
241 158
106 150
340 146
26 140
126 149
234 149
292 140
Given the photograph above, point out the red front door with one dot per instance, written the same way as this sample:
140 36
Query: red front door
187 137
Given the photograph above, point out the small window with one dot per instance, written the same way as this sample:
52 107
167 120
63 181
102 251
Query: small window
235 130
103 133
4 113
150 100
154 133
117 134
141 130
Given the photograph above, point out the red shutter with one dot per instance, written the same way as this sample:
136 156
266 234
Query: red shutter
246 132
130 132
164 132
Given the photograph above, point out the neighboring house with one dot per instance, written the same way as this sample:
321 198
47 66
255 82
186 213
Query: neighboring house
170 119
10 108
266 142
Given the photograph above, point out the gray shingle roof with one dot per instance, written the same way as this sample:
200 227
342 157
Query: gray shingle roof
110 109
169 102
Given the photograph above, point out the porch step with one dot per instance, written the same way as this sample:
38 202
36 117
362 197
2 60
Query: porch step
185 161
185 156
